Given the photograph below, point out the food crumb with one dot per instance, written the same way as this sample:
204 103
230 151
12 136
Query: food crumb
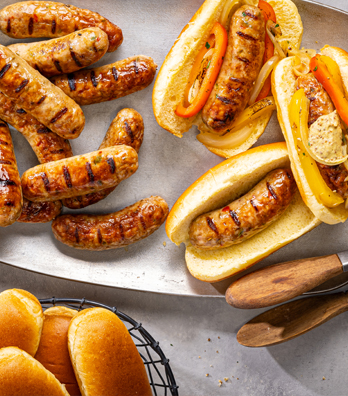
317 42
226 379
218 337
211 365
217 351
220 383
237 378
199 357
207 375
209 339
164 244
324 378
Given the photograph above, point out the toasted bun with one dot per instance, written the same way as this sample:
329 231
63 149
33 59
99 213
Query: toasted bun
104 356
221 185
284 87
53 351
21 320
21 374
173 76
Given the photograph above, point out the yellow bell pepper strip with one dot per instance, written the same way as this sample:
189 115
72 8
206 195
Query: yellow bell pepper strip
219 33
298 112
323 75
333 69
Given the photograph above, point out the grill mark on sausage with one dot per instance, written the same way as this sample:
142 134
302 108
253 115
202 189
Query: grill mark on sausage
58 67
4 183
270 189
244 60
73 55
90 172
31 26
237 80
247 13
93 79
3 125
46 182
4 70
67 177
4 162
211 224
136 67
72 82
112 164
115 73
43 130
77 235
23 85
121 231
254 206
3 142
100 238
234 217
142 221
42 99
129 131
8 28
225 100
59 115
246 36
54 26
21 111
9 203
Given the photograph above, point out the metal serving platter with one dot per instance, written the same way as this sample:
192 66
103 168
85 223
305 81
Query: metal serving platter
168 165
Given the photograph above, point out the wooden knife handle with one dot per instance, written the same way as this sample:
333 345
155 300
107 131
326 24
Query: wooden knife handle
281 282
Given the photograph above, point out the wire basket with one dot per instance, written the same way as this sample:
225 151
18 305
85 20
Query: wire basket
160 374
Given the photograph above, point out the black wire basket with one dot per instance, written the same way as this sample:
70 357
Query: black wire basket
160 374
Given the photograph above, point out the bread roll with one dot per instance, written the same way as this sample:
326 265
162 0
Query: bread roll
21 320
22 375
53 351
105 359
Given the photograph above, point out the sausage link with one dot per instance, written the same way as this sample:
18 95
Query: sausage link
30 19
11 200
38 96
246 216
66 54
47 145
79 175
240 68
39 212
111 231
127 128
108 82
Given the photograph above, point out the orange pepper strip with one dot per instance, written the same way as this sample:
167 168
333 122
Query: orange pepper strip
212 73
268 13
323 75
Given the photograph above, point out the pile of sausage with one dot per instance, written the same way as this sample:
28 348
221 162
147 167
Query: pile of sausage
41 89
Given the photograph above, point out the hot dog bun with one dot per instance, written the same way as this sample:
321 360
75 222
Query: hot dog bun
21 320
173 76
219 186
283 88
104 356
21 374
53 351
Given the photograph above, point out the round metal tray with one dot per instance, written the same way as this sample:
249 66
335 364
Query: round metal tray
160 374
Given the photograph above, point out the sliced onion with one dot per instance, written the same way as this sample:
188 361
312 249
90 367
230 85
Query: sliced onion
225 15
262 77
274 40
196 86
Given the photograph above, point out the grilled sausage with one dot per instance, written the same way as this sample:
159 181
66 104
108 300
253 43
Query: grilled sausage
113 230
127 128
335 177
30 19
39 212
47 145
11 200
38 96
79 175
108 82
240 68
246 216
66 54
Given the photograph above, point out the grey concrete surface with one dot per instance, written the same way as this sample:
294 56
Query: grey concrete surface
312 365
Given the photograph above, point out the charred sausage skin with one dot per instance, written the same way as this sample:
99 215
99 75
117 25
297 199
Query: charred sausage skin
111 231
108 82
11 200
240 68
127 128
79 175
30 19
320 104
246 216
66 54
39 212
38 96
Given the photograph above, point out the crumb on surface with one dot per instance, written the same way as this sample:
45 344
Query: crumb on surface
164 244
218 337
209 339
226 379
217 351
220 382
324 378
199 357
207 375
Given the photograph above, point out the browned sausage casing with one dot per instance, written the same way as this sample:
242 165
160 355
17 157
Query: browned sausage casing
320 104
30 19
108 82
240 68
11 200
246 216
127 128
79 175
39 212
113 230
38 96
66 54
